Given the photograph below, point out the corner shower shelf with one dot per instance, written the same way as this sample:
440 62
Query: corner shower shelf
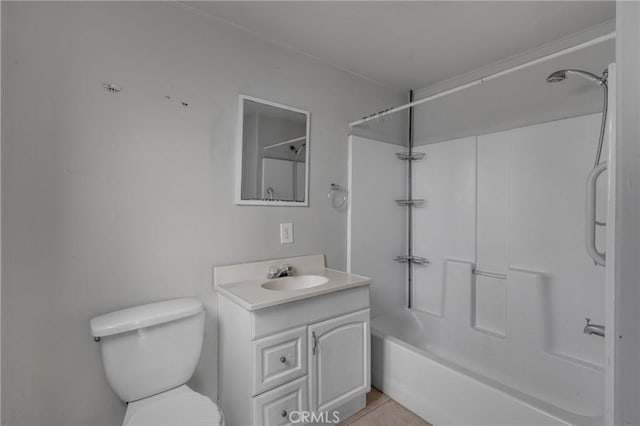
414 203
410 155
412 259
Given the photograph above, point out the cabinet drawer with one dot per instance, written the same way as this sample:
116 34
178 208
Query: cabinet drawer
278 359
274 407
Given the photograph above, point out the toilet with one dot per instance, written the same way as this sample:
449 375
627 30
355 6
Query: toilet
149 352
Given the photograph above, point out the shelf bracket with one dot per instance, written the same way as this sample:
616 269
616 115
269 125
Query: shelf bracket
411 156
412 203
412 259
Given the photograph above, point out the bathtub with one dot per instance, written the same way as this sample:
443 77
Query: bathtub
448 378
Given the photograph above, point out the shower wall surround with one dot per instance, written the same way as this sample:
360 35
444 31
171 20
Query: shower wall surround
512 203
376 224
510 280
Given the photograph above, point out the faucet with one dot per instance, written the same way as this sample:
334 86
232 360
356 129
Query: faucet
279 271
591 329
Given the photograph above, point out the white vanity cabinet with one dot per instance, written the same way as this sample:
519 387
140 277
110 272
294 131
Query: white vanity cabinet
307 355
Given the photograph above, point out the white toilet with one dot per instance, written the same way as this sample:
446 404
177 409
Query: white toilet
149 352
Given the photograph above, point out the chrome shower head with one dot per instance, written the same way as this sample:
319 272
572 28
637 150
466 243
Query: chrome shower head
561 75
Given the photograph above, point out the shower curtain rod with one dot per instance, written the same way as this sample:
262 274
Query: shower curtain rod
489 77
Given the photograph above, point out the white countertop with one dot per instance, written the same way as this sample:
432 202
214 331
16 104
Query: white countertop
252 296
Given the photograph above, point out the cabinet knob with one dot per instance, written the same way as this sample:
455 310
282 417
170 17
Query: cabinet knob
284 413
283 359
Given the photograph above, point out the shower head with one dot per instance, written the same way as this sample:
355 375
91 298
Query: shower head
561 75
557 76
296 151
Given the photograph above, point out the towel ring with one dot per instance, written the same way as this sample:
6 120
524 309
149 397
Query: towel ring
338 196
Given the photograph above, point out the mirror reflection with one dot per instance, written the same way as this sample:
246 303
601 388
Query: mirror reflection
274 153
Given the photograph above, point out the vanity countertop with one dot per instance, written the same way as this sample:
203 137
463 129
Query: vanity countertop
252 296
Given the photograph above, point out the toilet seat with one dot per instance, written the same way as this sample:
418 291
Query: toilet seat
179 406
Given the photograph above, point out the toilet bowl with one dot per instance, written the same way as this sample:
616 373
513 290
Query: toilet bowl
149 352
180 406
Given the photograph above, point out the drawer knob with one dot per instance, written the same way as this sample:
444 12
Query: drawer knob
284 413
283 360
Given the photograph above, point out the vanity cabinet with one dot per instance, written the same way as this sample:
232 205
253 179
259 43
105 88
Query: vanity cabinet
306 355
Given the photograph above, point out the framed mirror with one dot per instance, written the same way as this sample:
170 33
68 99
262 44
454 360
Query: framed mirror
273 154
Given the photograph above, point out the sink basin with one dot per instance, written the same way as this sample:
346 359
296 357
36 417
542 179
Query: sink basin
296 282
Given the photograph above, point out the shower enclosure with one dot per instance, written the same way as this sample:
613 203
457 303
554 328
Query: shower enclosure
486 326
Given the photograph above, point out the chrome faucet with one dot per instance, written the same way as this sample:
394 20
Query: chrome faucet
591 329
278 271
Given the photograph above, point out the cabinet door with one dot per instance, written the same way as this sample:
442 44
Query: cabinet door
339 357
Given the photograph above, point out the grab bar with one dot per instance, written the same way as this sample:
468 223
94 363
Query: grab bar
598 257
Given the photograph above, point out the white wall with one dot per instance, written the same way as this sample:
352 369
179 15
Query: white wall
2 39
627 273
377 225
110 200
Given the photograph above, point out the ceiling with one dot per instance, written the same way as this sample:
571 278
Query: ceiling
415 44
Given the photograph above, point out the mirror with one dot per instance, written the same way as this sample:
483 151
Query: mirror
273 154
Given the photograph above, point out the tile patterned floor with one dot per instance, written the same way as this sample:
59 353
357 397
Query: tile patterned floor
383 411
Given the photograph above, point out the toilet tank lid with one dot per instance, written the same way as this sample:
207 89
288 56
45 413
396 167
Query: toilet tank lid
143 316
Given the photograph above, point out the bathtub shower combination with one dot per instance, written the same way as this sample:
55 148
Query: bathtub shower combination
486 325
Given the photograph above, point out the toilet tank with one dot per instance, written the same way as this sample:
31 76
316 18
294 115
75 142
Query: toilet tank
150 348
